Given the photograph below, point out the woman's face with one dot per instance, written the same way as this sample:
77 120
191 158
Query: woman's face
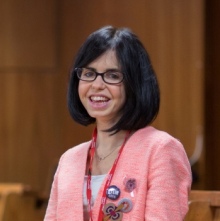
101 100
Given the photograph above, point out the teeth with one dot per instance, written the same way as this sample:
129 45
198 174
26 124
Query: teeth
93 98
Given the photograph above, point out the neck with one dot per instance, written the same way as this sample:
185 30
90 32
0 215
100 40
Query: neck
107 147
107 142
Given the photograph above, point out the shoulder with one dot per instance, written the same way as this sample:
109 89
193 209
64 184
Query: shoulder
78 148
153 136
160 149
154 143
72 158
76 152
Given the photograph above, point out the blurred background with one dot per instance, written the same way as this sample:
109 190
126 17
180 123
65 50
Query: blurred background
38 42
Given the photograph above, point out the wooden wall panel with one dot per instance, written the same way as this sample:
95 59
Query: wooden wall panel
29 91
35 126
212 92
30 125
26 29
177 54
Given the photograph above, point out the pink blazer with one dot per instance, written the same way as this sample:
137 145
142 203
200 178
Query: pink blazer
157 162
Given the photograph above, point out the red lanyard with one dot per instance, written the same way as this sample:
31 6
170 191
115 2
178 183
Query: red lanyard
110 176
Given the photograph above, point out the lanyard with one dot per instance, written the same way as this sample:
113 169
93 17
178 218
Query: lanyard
110 176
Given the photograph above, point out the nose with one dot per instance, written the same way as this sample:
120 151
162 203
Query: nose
98 83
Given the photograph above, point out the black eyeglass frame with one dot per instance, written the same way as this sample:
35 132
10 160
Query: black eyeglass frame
97 74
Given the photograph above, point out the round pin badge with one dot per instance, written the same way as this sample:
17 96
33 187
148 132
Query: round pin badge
113 192
127 205
112 212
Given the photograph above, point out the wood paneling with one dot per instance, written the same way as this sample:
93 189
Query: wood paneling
212 92
28 30
203 206
35 127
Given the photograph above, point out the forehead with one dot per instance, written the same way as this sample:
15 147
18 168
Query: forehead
105 61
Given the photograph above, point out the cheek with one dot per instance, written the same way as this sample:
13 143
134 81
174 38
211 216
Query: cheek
81 89
81 92
123 96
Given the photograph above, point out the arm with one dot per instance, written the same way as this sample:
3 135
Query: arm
51 212
169 183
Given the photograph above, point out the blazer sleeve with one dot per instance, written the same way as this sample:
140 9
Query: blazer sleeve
169 183
51 211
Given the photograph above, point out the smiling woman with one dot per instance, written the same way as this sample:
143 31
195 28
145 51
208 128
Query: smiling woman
101 99
129 170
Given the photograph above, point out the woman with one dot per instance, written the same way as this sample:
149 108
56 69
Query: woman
130 170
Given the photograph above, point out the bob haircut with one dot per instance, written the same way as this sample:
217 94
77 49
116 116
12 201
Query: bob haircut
140 82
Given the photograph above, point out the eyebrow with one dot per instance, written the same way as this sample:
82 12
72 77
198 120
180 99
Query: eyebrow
108 69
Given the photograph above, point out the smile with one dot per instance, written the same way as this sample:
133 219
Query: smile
99 99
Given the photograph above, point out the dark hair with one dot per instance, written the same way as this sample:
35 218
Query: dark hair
141 86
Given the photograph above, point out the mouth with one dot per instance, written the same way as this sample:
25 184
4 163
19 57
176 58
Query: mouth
99 99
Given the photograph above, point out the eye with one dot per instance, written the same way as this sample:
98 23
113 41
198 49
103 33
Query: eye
88 74
114 75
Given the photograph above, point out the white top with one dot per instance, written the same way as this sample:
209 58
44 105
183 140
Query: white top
96 182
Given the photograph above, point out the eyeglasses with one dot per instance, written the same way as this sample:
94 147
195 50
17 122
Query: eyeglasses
109 77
